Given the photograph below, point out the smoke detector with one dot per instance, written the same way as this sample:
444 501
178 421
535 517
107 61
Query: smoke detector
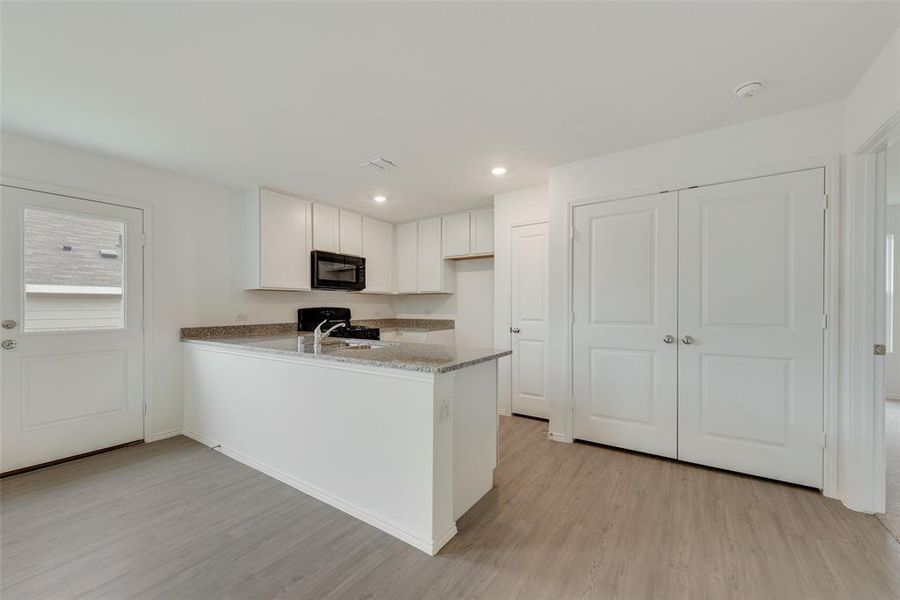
748 90
379 162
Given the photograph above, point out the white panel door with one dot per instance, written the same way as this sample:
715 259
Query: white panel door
751 276
73 383
407 238
624 293
529 313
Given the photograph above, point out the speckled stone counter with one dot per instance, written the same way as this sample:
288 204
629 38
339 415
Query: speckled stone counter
423 358
219 331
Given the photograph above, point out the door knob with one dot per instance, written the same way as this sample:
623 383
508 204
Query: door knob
9 324
9 344
687 340
669 339
514 330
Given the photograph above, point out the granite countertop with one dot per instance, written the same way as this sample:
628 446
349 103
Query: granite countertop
217 331
423 358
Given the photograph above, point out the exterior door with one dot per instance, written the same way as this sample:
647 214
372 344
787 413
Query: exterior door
72 311
751 320
625 305
529 315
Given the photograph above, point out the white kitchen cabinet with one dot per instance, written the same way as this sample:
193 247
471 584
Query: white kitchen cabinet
278 240
407 257
434 274
455 235
378 249
351 233
481 231
326 228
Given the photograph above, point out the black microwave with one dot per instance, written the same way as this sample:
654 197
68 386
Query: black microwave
332 271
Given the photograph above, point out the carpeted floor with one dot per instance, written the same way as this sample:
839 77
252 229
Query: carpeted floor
891 518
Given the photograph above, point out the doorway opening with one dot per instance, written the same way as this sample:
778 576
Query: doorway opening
889 175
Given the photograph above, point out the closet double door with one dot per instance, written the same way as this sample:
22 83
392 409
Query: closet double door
699 325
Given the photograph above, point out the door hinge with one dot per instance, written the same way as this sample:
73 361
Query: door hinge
143 323
572 319
880 350
824 440
143 239
824 320
824 201
571 231
145 408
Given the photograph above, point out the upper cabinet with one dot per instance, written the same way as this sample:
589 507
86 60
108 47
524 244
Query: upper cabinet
481 231
468 234
455 230
351 233
435 275
278 240
326 228
407 258
378 249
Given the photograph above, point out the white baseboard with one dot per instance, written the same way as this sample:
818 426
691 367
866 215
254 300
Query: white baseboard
162 435
505 412
430 547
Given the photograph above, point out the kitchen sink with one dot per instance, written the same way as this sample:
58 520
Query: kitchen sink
330 345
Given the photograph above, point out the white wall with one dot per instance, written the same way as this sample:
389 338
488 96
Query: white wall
813 132
875 98
195 252
472 305
512 208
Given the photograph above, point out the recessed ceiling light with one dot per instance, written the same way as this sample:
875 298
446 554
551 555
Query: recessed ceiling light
379 199
498 170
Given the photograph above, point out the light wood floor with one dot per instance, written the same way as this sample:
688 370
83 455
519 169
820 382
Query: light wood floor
174 519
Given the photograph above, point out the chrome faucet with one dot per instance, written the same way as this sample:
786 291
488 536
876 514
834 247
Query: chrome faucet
319 335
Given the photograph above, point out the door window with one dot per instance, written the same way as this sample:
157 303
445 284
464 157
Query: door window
74 272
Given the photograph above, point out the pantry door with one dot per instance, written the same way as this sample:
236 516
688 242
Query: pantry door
625 322
529 317
751 320
71 305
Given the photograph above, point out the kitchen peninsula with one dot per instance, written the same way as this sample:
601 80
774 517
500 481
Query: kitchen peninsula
402 436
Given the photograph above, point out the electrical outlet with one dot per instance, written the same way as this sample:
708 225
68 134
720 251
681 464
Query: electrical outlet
240 318
444 413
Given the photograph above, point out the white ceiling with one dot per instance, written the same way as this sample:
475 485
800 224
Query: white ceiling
296 95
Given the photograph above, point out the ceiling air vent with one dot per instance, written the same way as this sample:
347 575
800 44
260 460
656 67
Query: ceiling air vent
381 163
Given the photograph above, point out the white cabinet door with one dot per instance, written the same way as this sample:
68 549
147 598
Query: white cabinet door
74 382
625 303
750 295
482 231
326 230
431 259
455 232
284 241
407 257
378 250
351 233
529 314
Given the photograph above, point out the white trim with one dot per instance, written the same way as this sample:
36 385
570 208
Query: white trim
93 290
147 233
504 412
831 165
862 397
430 547
163 435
